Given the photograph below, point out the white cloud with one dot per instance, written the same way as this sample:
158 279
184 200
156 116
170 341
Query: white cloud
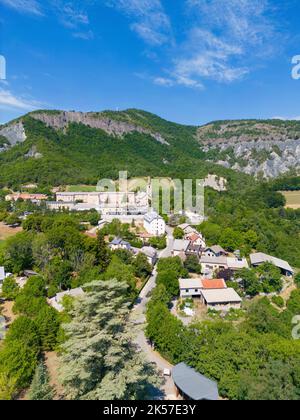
24 6
150 21
287 118
10 101
225 39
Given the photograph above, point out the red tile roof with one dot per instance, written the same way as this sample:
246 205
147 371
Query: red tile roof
214 284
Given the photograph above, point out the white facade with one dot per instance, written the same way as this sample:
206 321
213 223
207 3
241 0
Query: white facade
190 288
154 224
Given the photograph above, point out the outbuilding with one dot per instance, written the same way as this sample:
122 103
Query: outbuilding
191 385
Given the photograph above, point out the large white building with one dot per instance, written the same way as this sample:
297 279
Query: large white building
154 224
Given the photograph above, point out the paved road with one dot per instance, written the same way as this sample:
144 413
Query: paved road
138 317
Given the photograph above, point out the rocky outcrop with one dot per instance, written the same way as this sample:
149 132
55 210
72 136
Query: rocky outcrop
33 153
267 148
61 120
14 133
269 159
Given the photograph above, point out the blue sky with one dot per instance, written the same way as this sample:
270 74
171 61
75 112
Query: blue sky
190 61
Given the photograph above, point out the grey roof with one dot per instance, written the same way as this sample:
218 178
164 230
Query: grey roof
120 241
2 273
181 245
237 263
214 260
149 217
221 296
217 249
260 258
149 251
190 283
196 386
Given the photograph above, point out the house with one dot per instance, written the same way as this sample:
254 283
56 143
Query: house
211 264
119 243
191 385
194 287
35 198
190 287
194 250
261 258
221 299
154 224
236 264
56 301
187 229
151 254
180 247
215 251
196 239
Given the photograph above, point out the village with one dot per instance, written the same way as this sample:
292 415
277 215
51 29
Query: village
211 287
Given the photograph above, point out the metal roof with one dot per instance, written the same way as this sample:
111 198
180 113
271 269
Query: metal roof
260 258
194 385
181 245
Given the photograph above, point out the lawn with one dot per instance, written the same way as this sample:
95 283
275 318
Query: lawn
292 199
81 188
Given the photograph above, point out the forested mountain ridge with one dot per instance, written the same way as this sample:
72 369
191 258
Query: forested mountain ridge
56 147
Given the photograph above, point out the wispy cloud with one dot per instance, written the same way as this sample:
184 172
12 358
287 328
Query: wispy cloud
10 101
150 21
224 40
24 6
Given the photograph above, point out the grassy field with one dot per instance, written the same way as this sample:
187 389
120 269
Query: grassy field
81 188
292 199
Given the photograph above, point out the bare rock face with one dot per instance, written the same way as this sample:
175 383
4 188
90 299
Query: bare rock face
261 148
267 158
14 133
61 120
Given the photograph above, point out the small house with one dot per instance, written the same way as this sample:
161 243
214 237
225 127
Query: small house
151 254
180 246
119 243
215 251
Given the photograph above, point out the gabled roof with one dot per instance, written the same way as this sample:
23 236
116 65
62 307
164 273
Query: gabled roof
119 241
260 258
213 284
149 251
196 386
217 249
219 296
181 245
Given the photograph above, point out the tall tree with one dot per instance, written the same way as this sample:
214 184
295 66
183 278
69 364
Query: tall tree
99 359
102 252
